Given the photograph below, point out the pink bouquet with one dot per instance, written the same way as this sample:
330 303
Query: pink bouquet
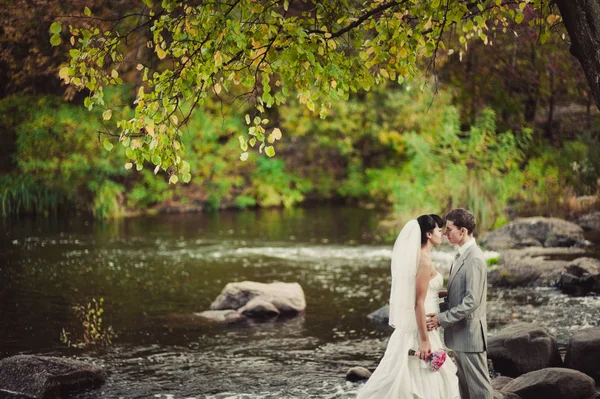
436 359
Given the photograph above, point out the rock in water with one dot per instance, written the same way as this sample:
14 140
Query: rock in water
48 377
358 374
284 297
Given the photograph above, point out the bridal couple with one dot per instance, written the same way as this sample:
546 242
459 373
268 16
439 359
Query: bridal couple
415 316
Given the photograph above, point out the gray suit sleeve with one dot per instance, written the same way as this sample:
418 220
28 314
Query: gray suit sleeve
475 281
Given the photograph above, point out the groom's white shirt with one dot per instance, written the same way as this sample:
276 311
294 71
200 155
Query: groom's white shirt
466 245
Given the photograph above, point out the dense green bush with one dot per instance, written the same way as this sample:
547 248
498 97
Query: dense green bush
400 147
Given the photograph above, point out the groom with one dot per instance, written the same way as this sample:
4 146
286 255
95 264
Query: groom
464 323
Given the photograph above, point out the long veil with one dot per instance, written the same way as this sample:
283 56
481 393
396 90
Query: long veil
405 259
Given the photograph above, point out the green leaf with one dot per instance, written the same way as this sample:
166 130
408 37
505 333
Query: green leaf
156 159
243 143
186 177
55 40
519 18
106 115
173 179
87 11
270 151
107 145
56 27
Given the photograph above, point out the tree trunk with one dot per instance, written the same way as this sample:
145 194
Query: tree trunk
582 20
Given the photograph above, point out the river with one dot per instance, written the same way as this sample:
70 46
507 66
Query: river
155 272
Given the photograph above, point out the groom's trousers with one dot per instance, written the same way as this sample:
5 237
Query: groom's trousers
473 377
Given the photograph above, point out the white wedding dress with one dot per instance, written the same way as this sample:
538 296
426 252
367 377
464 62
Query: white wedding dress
400 376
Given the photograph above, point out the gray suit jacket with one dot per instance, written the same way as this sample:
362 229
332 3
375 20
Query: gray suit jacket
464 323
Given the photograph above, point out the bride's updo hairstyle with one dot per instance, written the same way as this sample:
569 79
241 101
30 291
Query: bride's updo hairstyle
427 223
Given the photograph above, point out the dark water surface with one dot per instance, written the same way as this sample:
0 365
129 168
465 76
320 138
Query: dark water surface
155 272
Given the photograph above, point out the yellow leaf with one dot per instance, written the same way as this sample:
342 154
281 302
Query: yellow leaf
244 156
217 88
552 18
333 84
174 119
128 165
160 52
218 58
106 115
64 74
276 133
384 73
427 24
139 67
114 74
150 130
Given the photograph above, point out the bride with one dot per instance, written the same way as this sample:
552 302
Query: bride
415 287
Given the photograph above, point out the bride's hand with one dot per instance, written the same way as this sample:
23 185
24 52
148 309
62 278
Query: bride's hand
424 350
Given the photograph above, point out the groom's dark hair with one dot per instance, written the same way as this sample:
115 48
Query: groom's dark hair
462 218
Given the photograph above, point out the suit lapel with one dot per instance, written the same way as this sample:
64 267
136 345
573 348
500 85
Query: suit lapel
459 264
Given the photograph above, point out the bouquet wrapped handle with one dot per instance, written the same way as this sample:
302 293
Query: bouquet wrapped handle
436 359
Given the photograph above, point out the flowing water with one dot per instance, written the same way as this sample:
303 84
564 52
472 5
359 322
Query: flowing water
155 272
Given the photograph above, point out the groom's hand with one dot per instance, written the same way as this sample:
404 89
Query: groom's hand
432 321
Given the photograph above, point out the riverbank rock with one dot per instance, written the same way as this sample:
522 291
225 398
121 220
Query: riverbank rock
590 222
285 298
580 277
48 377
358 374
523 348
553 383
583 353
505 395
498 383
535 232
532 267
381 315
220 316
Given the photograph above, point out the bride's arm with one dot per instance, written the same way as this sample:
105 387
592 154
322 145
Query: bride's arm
422 282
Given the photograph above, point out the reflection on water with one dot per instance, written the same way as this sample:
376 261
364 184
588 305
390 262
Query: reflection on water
156 272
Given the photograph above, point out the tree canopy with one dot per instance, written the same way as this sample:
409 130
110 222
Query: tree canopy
259 54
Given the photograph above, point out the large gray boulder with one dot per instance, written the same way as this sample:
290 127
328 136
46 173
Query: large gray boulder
284 298
591 221
535 232
43 377
505 395
532 267
258 307
583 353
500 382
522 348
553 383
580 277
